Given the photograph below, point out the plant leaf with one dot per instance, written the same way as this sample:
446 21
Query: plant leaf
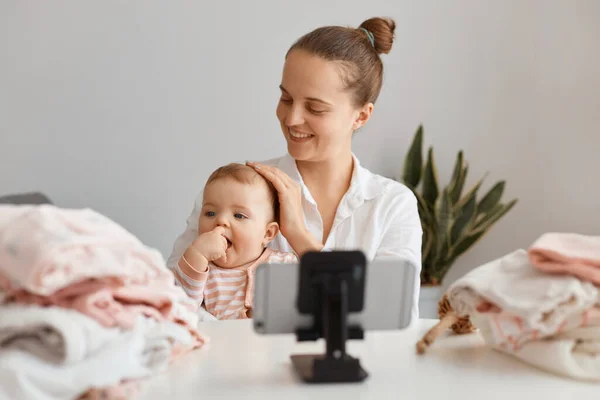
425 210
463 245
428 241
458 168
481 218
413 162
430 184
457 181
470 194
474 236
428 259
457 190
443 216
463 220
491 198
491 219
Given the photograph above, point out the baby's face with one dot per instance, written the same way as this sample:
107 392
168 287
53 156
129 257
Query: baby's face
246 213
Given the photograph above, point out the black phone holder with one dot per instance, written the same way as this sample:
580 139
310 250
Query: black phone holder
331 285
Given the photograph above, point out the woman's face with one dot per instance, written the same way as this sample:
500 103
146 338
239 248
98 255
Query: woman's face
316 113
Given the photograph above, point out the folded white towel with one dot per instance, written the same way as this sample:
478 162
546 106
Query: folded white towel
575 354
58 335
549 321
87 354
542 302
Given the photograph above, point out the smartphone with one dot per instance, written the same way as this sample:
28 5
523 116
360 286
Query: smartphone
388 298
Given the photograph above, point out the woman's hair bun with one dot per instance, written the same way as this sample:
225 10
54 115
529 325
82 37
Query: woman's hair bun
383 32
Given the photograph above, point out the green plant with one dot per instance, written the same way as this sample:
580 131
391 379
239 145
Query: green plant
452 223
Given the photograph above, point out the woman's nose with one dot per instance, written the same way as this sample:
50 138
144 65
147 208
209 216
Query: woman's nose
295 116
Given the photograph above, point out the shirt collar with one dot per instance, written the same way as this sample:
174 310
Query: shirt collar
363 185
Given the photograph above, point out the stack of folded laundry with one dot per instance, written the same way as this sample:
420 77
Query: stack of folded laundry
86 309
540 305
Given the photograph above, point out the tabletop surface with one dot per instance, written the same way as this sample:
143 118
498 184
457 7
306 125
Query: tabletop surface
238 363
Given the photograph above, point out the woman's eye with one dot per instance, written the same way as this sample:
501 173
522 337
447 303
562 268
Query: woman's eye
286 101
312 110
239 216
210 213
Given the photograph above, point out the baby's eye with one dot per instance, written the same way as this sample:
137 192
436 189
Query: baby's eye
239 216
210 213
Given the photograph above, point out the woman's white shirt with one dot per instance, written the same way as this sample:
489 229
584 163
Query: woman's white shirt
376 215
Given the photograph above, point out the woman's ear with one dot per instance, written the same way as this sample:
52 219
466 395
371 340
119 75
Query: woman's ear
364 114
270 233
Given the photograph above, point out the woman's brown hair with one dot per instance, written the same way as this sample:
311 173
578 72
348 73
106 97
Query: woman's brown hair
357 51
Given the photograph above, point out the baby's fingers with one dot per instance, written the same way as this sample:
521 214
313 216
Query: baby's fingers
219 230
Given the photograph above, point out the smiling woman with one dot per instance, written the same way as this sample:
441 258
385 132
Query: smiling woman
331 80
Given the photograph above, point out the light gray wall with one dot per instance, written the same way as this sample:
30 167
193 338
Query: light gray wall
126 107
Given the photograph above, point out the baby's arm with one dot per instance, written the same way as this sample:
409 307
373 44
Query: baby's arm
191 273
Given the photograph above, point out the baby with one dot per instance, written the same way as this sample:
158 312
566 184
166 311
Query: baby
239 217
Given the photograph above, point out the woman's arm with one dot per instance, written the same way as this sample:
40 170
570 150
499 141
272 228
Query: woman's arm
402 240
303 241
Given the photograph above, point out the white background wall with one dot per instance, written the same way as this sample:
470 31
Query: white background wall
126 107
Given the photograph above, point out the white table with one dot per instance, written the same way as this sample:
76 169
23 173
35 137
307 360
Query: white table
239 364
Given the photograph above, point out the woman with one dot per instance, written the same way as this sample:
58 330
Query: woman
331 79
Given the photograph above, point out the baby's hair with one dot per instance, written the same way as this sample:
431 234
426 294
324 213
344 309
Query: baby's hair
244 174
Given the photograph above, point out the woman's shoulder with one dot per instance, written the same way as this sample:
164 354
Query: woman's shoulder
393 200
384 189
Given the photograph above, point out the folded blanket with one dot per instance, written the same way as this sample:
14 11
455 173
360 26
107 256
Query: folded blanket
80 259
63 336
574 354
510 286
111 303
568 253
537 317
56 335
87 355
45 248
127 390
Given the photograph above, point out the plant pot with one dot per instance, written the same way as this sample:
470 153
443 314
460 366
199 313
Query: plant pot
428 301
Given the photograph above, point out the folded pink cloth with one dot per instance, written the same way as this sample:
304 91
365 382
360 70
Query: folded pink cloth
107 301
112 304
80 259
568 253
127 390
45 248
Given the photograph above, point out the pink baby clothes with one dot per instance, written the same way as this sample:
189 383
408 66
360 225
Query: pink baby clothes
45 248
112 304
568 253
512 302
127 390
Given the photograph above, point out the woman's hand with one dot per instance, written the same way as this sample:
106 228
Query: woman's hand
291 216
